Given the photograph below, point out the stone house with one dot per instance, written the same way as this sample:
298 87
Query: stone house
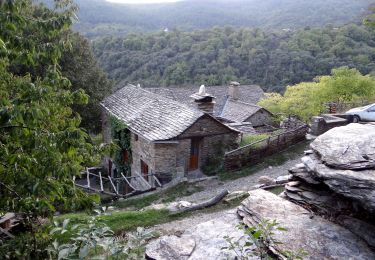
166 136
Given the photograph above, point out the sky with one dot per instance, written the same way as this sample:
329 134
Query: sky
142 1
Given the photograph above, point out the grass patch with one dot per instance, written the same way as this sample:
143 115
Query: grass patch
122 220
248 139
277 159
180 190
168 195
136 203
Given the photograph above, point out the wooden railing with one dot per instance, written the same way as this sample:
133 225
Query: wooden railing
255 152
107 185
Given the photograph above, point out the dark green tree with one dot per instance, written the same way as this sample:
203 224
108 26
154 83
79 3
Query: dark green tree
42 146
79 65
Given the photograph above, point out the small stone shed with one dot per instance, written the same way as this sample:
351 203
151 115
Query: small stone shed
166 136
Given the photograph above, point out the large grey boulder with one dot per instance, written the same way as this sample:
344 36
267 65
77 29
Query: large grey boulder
318 237
207 238
348 147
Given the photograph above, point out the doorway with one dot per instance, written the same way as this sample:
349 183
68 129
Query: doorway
194 154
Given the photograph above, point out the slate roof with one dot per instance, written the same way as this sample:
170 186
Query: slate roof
247 93
152 116
238 111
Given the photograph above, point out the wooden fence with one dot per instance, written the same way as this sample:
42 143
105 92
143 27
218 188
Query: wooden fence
122 187
255 152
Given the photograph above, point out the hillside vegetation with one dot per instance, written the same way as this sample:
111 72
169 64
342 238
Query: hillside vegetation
215 56
98 17
308 99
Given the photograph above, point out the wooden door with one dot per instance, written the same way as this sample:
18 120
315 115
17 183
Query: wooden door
144 170
194 154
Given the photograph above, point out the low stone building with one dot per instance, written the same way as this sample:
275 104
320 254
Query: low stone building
166 137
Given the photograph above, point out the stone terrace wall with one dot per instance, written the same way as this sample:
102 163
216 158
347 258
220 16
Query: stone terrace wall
256 152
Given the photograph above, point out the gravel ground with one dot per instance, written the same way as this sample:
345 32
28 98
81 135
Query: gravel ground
213 186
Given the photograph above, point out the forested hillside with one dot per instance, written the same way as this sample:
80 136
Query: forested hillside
215 56
98 18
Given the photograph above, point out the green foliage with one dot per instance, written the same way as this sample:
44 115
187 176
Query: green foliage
79 65
95 239
215 56
258 240
69 239
121 136
99 18
123 220
42 146
308 99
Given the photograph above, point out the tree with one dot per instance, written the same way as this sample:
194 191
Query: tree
79 65
42 146
307 99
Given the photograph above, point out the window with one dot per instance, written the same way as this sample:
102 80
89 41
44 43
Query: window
371 109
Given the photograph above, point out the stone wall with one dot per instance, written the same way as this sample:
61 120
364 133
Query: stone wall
323 123
141 150
261 117
213 147
206 126
183 154
165 160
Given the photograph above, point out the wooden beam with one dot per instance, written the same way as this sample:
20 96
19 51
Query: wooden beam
205 204
101 182
113 185
88 178
131 186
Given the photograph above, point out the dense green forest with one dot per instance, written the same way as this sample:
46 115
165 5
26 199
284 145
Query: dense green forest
98 17
215 56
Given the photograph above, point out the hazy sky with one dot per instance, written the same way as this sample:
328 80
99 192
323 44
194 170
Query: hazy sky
142 1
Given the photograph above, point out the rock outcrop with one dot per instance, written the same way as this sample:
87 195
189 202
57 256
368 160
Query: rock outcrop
350 147
337 179
318 237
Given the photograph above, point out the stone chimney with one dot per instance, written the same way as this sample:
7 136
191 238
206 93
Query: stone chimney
234 90
204 101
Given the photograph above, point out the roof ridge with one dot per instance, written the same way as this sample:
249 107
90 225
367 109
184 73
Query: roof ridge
245 103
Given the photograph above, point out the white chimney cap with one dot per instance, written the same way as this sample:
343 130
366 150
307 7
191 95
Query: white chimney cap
202 90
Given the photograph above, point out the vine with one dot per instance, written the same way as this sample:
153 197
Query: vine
121 136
